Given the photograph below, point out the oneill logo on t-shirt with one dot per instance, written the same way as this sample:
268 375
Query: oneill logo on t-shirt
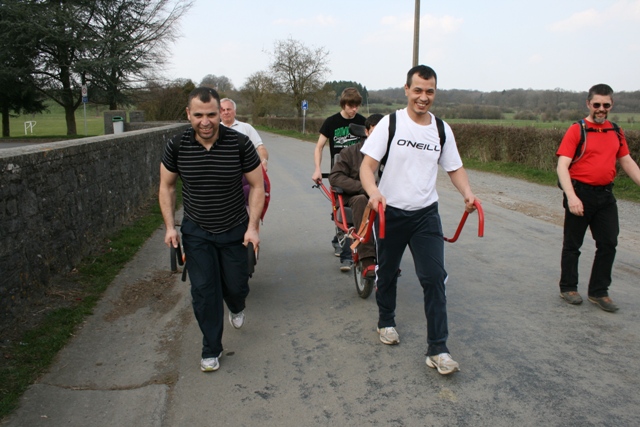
418 145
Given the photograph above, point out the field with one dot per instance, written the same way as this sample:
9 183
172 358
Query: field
630 121
52 123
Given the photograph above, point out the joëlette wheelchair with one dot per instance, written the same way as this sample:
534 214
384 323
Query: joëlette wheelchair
342 216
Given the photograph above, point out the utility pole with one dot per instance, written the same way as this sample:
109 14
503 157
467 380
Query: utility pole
416 33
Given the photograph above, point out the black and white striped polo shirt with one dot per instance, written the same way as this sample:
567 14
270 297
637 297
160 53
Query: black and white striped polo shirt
212 180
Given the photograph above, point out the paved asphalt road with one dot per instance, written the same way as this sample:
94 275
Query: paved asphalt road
309 352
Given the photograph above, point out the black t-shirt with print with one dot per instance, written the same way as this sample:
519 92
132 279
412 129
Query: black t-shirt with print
336 129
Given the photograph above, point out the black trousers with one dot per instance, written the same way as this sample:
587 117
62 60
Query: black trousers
601 217
218 271
421 231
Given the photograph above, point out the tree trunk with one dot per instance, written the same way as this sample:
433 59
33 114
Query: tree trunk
5 122
70 116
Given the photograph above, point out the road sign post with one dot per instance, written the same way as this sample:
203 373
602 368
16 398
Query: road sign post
305 107
85 99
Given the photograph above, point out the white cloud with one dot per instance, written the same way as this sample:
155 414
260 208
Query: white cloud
620 11
577 21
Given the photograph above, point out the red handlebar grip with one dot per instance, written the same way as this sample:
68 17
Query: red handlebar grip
381 221
480 218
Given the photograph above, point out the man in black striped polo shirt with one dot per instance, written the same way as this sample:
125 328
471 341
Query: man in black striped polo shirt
211 160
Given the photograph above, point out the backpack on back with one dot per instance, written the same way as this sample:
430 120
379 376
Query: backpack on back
582 144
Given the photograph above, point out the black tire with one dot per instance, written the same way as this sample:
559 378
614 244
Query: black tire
173 259
364 285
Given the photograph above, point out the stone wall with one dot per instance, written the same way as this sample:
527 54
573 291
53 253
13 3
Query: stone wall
59 199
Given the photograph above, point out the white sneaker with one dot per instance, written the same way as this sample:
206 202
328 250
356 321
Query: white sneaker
444 363
210 364
236 319
389 335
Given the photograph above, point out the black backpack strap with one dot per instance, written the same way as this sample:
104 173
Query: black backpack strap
441 134
618 131
581 147
583 138
176 141
392 133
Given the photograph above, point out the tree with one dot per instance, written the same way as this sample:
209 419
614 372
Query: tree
61 31
17 89
221 84
301 71
110 45
166 103
131 38
339 86
262 91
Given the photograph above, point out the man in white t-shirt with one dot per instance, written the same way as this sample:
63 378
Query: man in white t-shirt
407 191
228 116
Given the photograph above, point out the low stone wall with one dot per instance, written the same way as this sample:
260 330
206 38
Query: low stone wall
57 200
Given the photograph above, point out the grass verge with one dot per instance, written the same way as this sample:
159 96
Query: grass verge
624 188
23 364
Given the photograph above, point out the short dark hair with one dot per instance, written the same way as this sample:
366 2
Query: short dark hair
204 94
372 120
423 71
599 89
350 96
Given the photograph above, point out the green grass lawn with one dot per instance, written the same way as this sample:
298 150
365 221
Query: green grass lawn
53 123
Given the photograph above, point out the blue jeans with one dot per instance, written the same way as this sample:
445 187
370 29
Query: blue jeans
218 271
421 230
601 216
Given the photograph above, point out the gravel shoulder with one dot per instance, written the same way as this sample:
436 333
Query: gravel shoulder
544 202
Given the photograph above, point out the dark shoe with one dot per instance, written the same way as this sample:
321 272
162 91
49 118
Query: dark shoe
346 265
604 303
366 263
572 297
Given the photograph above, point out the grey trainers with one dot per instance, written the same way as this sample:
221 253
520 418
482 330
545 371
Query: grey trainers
389 335
604 303
572 297
236 319
346 265
210 364
443 363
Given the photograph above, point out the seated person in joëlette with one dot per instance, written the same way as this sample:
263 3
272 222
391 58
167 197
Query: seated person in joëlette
345 174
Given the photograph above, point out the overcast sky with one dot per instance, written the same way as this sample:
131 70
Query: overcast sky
472 44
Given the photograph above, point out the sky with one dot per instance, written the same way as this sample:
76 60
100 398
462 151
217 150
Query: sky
490 45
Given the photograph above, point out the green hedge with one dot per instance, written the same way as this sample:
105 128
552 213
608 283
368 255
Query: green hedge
529 146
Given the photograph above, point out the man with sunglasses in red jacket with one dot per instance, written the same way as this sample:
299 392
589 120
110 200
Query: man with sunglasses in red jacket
586 169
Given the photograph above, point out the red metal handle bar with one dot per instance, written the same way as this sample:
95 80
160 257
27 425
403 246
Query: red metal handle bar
478 206
368 232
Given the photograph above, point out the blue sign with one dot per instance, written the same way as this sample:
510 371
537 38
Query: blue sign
305 105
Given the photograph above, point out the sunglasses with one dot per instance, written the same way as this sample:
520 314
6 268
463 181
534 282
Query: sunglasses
598 105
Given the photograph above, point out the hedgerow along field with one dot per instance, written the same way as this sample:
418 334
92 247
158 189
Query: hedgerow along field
52 123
